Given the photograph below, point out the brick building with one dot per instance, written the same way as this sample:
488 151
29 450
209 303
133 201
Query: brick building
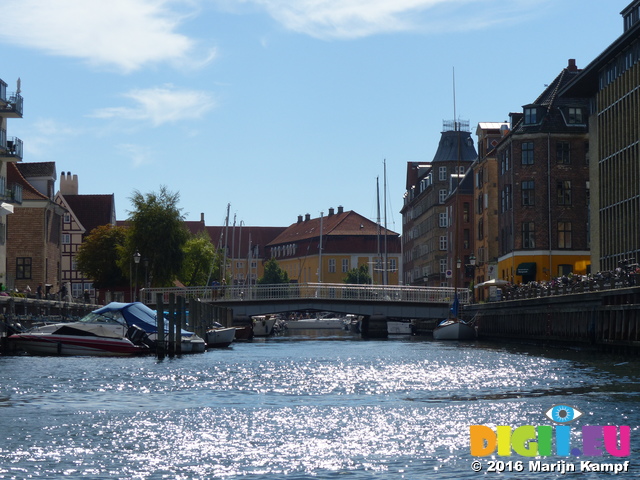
33 230
543 186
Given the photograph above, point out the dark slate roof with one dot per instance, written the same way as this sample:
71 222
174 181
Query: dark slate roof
29 192
448 147
37 169
92 210
553 104
345 224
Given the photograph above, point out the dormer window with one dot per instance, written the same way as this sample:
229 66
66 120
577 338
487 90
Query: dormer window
575 116
530 115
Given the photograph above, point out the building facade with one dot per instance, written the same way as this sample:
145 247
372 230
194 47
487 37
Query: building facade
424 215
10 151
543 184
324 249
611 82
33 230
82 214
485 204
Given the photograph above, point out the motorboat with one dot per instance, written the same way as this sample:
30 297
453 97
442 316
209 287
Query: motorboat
263 325
219 336
323 322
399 327
117 329
454 329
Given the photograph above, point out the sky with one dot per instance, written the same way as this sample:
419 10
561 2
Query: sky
277 108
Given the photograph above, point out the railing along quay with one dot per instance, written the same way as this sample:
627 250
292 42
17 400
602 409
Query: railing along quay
325 291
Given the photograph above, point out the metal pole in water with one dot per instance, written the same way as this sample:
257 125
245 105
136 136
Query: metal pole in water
172 324
180 315
160 321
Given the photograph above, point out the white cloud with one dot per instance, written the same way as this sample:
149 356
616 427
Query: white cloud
140 155
161 105
125 34
360 18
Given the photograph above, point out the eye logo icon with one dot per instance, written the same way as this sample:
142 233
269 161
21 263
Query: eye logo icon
563 414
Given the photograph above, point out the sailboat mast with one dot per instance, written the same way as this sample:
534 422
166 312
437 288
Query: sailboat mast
320 250
386 250
378 255
456 212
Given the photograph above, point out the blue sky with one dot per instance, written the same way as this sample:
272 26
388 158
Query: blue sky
278 107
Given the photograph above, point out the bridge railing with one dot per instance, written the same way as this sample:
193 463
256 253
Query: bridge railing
325 291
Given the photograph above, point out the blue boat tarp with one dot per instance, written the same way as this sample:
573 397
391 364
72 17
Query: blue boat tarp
138 314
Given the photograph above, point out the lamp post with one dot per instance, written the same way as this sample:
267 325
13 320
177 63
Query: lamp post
146 275
136 259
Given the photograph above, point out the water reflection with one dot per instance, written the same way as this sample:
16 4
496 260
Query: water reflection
293 406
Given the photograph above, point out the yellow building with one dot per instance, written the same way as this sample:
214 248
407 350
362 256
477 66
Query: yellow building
326 248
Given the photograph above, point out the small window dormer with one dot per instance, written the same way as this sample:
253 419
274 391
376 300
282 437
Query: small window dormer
575 116
532 115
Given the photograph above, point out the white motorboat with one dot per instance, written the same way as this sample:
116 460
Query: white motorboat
263 326
397 327
117 329
316 324
220 336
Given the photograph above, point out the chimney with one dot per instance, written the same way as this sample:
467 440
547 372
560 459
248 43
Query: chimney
572 65
68 184
331 211
299 218
201 217
340 209
307 217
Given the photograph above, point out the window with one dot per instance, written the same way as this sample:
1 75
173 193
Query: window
393 265
528 192
564 192
530 115
443 242
442 173
67 218
465 212
443 265
563 150
345 265
528 238
442 195
466 236
332 265
527 153
564 234
23 268
442 222
481 229
575 116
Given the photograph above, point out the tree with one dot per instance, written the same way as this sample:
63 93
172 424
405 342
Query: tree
157 231
273 273
201 261
97 257
358 275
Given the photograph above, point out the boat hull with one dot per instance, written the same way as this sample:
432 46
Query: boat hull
69 345
313 324
220 337
454 330
399 328
263 327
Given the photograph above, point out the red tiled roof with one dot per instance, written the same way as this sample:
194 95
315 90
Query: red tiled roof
343 224
29 192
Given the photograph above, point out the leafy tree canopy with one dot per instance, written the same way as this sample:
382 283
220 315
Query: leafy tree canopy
273 273
97 257
201 261
358 275
157 231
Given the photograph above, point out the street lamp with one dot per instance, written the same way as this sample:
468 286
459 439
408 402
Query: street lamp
136 259
472 260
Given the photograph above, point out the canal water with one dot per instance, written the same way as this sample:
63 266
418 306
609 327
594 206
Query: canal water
304 406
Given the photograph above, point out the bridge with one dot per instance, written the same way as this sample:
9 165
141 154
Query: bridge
392 301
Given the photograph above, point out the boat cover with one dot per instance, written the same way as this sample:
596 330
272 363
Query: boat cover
138 314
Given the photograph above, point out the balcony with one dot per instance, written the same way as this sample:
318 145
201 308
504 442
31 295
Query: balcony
11 107
11 193
11 150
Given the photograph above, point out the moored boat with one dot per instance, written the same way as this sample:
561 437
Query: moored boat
263 326
117 329
454 329
220 337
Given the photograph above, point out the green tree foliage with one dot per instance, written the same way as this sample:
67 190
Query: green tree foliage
201 261
156 230
97 257
358 275
273 273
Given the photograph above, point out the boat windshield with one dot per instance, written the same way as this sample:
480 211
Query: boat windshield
114 318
